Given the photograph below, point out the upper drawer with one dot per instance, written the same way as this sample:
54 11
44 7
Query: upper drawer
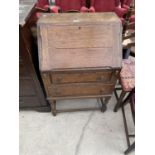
80 89
78 77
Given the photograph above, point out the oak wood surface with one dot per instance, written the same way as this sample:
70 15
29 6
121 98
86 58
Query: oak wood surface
82 84
87 40
79 55
78 89
101 76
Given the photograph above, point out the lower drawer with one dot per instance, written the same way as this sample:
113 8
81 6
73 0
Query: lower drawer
80 89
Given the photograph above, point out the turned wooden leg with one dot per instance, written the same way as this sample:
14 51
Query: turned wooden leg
120 100
104 107
104 104
53 107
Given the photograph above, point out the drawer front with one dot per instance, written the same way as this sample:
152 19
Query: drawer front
100 76
26 87
80 89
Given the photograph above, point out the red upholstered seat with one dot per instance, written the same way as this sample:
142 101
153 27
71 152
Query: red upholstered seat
126 3
132 18
69 5
63 5
107 6
127 75
42 4
132 21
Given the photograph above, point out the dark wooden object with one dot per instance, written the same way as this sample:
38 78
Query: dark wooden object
30 91
129 99
79 56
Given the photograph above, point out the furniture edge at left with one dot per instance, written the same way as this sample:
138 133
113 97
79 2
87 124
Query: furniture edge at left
31 90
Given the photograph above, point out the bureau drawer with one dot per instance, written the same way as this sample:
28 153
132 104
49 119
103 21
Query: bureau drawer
80 89
81 77
26 87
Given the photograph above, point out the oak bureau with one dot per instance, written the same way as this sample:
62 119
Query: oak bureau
79 55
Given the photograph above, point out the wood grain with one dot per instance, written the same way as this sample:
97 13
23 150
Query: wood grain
80 89
98 76
80 55
92 41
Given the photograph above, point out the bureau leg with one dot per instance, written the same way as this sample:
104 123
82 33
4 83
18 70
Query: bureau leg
53 107
104 104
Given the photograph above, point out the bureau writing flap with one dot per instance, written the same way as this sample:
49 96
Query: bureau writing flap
94 40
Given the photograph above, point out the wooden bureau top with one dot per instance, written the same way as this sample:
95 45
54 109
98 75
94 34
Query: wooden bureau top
79 40
75 18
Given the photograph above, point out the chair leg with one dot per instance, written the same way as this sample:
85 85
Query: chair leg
120 100
127 99
132 147
133 111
